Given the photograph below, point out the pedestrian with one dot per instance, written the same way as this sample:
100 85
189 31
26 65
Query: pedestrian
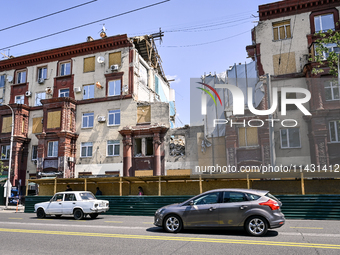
140 191
68 188
99 192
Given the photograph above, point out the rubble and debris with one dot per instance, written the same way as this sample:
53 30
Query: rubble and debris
177 147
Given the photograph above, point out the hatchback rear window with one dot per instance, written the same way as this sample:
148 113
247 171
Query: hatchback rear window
271 196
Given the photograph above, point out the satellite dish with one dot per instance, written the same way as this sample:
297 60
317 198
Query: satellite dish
100 60
9 78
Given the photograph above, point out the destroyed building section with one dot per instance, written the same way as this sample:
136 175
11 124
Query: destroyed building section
177 146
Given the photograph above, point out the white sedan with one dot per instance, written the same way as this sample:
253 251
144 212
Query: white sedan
76 203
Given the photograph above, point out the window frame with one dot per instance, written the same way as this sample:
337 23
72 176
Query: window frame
288 145
113 112
332 87
318 13
7 152
22 98
88 86
323 30
245 137
18 74
54 152
60 67
62 93
2 80
36 97
113 144
108 87
336 130
38 73
34 158
87 146
87 115
278 30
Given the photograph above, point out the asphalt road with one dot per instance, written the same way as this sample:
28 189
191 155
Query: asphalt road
23 233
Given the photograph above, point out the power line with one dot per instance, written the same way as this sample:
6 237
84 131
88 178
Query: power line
90 23
45 16
199 44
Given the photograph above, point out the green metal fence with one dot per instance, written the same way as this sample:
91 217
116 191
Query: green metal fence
294 206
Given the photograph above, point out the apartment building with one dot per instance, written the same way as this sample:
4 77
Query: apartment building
97 107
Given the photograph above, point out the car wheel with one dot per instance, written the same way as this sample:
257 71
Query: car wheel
93 215
256 226
41 213
172 224
78 214
58 216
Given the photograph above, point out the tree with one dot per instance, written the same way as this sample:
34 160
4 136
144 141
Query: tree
2 167
324 56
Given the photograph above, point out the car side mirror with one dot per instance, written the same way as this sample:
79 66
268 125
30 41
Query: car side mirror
191 203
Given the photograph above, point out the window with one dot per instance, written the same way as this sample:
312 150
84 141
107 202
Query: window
143 146
86 150
324 22
42 73
65 68
289 107
329 47
290 138
114 118
6 124
58 197
89 64
253 197
5 151
2 81
115 58
88 120
210 198
232 197
34 152
113 147
334 130
39 96
1 101
64 92
19 99
247 136
114 87
21 76
332 91
70 197
281 30
88 91
52 149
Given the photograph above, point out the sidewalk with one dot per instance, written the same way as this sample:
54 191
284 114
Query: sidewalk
12 209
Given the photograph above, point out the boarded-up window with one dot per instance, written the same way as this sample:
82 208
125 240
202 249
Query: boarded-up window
247 136
281 30
53 119
115 58
37 125
6 124
143 114
284 63
89 64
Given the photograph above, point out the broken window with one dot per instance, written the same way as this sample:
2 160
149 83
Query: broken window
177 145
143 146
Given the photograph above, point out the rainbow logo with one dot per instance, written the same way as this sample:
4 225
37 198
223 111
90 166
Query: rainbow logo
209 93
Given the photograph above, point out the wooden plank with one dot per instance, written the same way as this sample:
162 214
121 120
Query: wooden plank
302 185
159 186
55 185
201 188
120 186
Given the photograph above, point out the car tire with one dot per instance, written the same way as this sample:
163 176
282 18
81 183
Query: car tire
41 213
256 226
58 216
78 214
94 215
172 224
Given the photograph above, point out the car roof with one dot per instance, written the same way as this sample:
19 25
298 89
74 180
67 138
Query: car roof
62 192
260 192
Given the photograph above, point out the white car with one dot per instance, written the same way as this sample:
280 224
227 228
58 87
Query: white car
76 203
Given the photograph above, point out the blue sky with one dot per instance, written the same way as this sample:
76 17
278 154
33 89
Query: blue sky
189 26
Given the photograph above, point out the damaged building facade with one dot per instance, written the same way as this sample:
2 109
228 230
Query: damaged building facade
101 107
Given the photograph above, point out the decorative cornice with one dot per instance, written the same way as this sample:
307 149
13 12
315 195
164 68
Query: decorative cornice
109 43
292 7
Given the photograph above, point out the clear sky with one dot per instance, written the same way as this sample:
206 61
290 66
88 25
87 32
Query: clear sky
188 25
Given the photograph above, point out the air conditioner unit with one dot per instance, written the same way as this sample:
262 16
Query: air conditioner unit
101 119
41 80
77 89
114 67
28 93
70 159
48 90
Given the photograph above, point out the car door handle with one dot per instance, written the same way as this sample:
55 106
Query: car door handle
74 203
60 203
211 209
243 207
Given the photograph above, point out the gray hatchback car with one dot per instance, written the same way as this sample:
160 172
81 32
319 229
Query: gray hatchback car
256 210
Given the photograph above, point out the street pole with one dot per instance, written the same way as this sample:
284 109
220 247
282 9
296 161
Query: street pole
10 160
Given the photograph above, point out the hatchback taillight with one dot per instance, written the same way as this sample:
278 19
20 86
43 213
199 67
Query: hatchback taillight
272 204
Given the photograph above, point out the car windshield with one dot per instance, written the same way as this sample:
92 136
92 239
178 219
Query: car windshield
87 196
271 196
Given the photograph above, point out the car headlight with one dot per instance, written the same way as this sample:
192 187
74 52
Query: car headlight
95 205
